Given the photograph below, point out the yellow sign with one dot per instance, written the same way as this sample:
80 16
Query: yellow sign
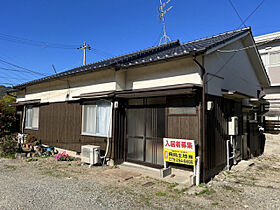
179 151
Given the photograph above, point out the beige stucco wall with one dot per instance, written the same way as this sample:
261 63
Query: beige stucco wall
177 72
237 71
57 91
181 71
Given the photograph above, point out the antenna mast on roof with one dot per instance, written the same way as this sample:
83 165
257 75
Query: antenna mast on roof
162 12
84 47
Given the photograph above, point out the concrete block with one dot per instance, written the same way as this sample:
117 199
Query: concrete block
165 172
193 180
111 163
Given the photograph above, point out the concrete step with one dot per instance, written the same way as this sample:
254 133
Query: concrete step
182 177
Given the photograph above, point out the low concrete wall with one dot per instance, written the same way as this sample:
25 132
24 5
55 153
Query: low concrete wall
272 144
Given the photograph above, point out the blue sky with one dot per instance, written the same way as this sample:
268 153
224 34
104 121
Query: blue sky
111 28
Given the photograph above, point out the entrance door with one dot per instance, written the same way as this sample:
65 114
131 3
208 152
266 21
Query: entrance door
145 132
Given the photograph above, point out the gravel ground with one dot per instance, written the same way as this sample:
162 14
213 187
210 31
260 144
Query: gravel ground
47 184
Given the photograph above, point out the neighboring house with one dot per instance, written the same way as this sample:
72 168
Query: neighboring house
185 91
269 48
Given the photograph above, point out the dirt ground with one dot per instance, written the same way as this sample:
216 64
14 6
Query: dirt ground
253 184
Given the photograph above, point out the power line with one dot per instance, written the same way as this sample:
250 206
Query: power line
25 41
31 71
222 67
12 78
251 46
7 83
15 70
243 22
103 53
237 12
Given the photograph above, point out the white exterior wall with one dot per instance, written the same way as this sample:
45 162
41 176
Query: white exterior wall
183 71
56 91
238 72
273 70
268 44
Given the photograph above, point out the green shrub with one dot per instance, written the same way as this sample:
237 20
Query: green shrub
8 145
31 159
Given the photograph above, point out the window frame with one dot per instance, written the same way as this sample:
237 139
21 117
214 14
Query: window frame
110 123
183 114
25 118
267 60
274 64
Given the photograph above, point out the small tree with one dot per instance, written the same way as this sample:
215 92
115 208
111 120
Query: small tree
6 108
8 118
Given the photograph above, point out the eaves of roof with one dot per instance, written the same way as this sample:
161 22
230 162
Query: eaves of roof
162 52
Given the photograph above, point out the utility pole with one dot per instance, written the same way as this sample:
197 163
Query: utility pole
85 47
162 12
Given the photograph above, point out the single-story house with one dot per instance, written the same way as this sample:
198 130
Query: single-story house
128 104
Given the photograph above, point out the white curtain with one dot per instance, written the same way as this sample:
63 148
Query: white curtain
35 117
97 119
28 117
104 115
89 119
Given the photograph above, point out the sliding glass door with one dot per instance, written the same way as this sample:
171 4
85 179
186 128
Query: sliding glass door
145 133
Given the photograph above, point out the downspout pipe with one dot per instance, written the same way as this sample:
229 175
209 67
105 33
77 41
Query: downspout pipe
204 165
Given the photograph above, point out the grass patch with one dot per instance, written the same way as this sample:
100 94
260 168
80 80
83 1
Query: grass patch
201 185
129 191
173 185
206 191
44 156
231 189
215 204
181 191
161 182
160 194
145 199
9 156
54 173
31 160
10 167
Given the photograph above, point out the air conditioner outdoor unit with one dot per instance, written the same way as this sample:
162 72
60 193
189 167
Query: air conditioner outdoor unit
90 154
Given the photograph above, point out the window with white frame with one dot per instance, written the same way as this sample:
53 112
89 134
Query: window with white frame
264 57
271 58
32 117
97 118
274 58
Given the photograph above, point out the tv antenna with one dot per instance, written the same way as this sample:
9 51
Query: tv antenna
162 12
85 47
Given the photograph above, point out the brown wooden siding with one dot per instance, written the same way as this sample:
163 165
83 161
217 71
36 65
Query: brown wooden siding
216 132
60 126
183 127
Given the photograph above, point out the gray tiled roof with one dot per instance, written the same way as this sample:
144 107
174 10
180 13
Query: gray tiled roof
169 50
